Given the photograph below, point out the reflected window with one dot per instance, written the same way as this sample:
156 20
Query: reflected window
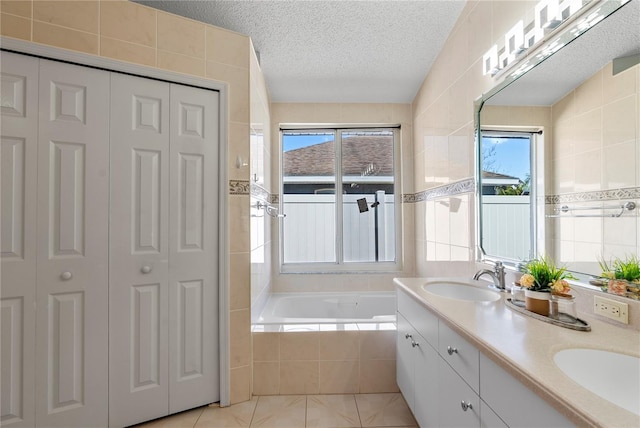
506 197
339 196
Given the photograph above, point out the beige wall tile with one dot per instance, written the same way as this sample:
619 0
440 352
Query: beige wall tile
181 35
15 26
339 377
619 86
238 79
620 119
299 346
79 15
240 338
181 63
128 21
227 47
240 384
239 230
65 38
378 376
266 378
378 345
339 345
239 136
240 281
266 346
129 52
20 7
589 94
299 377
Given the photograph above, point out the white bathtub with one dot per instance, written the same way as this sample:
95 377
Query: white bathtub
329 308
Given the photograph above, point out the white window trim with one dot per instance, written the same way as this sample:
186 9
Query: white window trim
342 267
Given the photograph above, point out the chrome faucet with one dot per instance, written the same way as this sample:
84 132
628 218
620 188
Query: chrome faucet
497 274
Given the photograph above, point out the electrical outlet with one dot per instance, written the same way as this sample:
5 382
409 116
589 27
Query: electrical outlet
611 309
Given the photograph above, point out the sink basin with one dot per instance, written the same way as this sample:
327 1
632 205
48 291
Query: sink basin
612 376
460 291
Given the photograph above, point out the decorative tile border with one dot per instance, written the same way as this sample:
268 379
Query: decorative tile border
239 187
464 186
595 196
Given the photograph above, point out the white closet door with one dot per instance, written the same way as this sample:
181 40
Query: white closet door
193 254
72 255
138 295
19 127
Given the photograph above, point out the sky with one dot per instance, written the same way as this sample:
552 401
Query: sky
512 155
292 142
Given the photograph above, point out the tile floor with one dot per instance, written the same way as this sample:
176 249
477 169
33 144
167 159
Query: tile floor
298 411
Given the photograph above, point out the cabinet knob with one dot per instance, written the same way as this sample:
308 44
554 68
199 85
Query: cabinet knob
407 336
145 269
66 276
452 351
414 344
466 406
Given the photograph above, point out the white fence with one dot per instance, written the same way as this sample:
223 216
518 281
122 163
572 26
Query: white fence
310 229
506 226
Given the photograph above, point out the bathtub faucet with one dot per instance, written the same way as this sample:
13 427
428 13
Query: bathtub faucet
497 274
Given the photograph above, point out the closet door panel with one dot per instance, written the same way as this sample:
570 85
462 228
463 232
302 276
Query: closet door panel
193 241
72 254
18 156
139 250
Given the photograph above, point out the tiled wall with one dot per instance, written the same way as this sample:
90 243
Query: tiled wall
138 34
597 147
443 138
359 359
350 114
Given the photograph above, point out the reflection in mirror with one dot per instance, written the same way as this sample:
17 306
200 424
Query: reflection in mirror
591 161
505 195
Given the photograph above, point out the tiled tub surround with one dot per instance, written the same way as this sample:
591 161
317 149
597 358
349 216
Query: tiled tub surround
524 347
324 358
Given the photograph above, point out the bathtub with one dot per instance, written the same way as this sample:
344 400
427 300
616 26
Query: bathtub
329 308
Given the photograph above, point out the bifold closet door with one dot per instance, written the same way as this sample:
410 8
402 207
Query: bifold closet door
19 127
138 293
72 250
193 256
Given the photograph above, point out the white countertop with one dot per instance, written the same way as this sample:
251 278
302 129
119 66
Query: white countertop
525 347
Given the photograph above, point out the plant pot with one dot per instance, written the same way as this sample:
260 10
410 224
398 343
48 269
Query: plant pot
537 301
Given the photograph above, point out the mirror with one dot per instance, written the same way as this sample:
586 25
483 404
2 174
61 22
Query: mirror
588 159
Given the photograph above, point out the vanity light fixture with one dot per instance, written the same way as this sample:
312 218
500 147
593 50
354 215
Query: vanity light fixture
549 16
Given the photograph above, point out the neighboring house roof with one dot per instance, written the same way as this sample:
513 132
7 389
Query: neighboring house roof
491 174
359 153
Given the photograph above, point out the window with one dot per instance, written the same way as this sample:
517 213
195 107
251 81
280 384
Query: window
340 200
507 208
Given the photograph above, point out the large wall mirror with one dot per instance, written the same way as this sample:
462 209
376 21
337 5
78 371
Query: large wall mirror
562 141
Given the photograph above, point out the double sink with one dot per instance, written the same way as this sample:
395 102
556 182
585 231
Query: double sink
610 375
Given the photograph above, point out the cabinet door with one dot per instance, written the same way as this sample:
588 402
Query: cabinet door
488 419
426 383
405 361
72 255
193 248
18 154
139 250
453 393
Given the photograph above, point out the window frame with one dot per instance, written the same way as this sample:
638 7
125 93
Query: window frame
340 266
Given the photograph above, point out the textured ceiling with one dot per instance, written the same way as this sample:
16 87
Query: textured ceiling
335 51
616 36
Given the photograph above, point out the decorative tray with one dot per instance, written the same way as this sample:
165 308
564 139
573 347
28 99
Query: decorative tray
564 320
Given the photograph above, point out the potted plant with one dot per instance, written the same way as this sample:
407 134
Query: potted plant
622 276
542 278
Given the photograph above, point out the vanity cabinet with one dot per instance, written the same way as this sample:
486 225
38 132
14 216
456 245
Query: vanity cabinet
448 382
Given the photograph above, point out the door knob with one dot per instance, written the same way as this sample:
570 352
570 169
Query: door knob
66 276
145 269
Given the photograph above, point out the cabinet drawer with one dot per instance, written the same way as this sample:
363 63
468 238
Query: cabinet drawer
516 404
425 322
458 404
461 355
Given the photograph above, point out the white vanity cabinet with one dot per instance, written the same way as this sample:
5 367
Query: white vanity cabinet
448 382
417 360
